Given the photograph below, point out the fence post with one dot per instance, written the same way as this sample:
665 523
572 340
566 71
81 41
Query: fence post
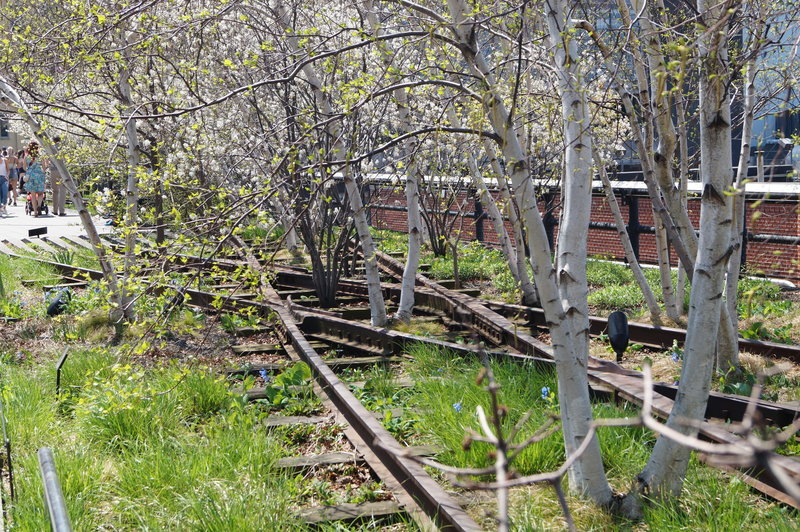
634 227
743 264
549 220
479 215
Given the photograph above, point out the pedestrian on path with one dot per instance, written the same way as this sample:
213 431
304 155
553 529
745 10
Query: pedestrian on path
3 181
56 186
22 166
13 177
35 178
3 194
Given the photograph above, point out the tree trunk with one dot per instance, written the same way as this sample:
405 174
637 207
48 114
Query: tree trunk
514 264
131 229
737 227
638 274
587 475
376 303
664 473
665 271
529 294
683 165
406 305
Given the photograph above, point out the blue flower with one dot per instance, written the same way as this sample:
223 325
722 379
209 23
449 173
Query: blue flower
676 357
440 370
263 373
457 407
545 392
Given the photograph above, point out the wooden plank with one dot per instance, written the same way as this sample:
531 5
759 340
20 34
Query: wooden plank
317 460
347 343
346 362
332 362
297 294
403 382
76 284
350 511
282 421
56 244
473 292
250 331
251 349
5 247
41 245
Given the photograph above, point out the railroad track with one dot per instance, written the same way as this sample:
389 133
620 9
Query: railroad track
299 322
416 492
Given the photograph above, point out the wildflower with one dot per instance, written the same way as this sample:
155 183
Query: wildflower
676 357
263 374
545 392
457 407
440 370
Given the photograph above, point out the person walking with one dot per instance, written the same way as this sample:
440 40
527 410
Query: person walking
22 166
13 176
3 181
35 178
57 187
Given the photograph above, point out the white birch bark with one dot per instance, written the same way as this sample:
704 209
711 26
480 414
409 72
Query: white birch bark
683 165
641 129
665 270
376 302
587 475
281 205
638 274
735 261
665 471
530 295
514 264
408 150
573 235
675 218
132 187
658 113
109 275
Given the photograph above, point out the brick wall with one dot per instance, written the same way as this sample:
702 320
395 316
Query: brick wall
779 217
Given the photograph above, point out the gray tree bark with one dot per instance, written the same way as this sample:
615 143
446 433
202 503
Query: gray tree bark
566 319
406 305
664 473
376 302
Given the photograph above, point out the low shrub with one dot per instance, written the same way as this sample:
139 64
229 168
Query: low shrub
617 297
605 273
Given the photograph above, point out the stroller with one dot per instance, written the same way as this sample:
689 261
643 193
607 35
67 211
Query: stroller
29 204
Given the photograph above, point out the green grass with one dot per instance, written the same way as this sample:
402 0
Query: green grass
711 500
14 271
168 448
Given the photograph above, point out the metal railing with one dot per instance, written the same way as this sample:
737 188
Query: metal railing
53 496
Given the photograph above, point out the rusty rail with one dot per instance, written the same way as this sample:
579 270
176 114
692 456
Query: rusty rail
490 324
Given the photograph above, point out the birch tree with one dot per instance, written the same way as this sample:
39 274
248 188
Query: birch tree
665 471
406 305
558 283
376 302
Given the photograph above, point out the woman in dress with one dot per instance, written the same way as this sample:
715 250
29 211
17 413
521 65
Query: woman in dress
35 178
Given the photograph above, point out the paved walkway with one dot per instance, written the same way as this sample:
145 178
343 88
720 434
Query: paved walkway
16 224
